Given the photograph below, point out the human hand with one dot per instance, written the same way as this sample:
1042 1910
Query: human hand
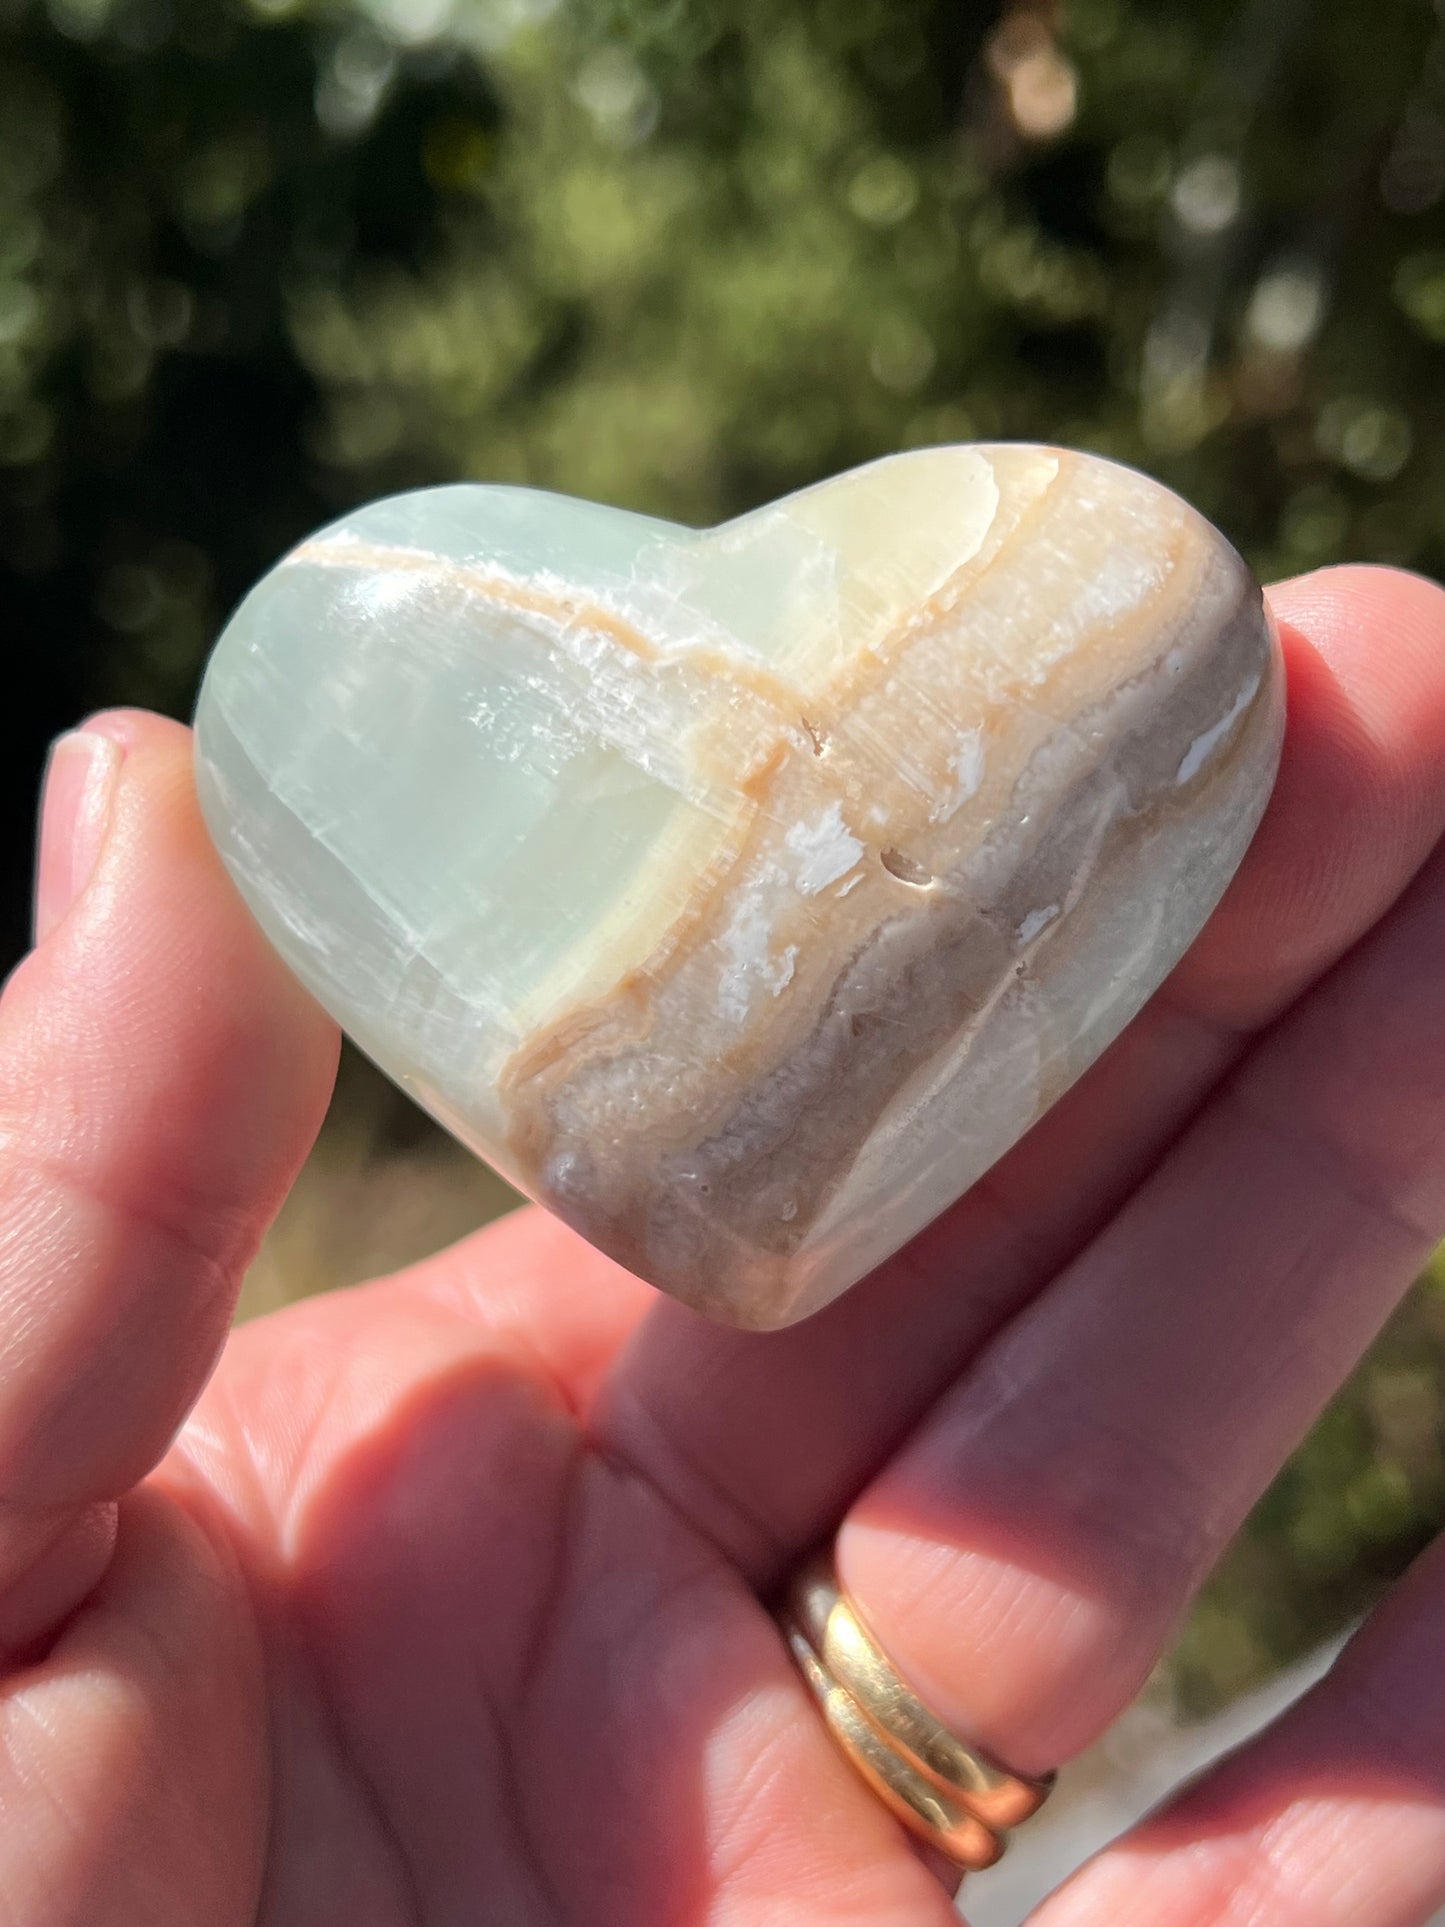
446 1604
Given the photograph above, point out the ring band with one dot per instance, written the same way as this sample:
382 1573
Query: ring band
950 1793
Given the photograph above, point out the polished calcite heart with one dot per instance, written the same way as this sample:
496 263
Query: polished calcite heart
744 895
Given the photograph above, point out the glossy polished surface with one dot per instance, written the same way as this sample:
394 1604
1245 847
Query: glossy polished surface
743 895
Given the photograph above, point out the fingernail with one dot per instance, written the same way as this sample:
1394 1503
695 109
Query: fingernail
75 805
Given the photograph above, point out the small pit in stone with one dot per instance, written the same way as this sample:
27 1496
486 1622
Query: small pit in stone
815 736
905 869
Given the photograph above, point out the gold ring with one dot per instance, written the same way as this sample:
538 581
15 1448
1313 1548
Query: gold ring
951 1794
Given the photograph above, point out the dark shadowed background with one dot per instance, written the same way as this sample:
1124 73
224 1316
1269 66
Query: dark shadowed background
261 262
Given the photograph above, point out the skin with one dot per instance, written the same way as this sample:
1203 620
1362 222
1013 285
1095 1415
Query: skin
443 1599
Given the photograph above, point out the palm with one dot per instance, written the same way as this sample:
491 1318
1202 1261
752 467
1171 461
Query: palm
492 1663
449 1601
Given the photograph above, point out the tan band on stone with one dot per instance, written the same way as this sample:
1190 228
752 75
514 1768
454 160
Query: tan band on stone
951 1793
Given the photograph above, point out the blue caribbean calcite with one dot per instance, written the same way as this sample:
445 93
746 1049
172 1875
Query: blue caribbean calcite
744 894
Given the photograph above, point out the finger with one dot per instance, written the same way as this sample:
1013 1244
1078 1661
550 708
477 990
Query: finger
763 1440
1025 1557
1333 1818
161 1077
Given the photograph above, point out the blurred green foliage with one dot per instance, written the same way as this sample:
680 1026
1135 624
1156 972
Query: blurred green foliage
260 261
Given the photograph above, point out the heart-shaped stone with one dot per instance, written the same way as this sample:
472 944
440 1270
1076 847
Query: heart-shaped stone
744 895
